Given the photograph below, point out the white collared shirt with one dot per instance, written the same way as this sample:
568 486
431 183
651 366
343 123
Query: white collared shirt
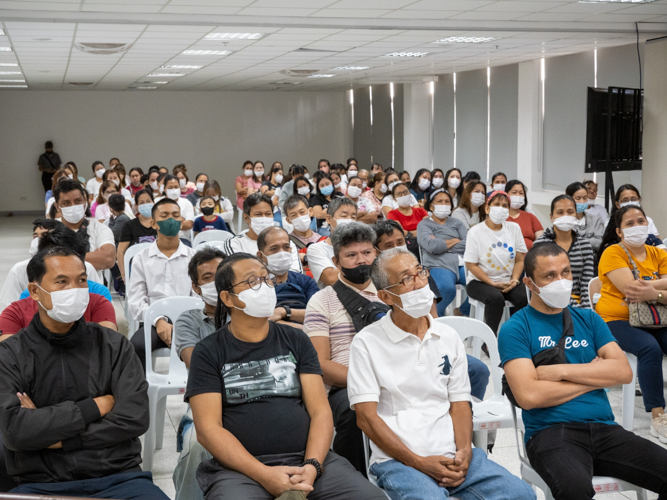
414 382
320 257
155 276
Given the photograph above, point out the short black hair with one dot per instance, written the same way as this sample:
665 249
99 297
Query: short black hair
517 182
350 160
48 145
224 279
471 176
546 249
47 224
561 197
154 168
261 237
293 201
163 201
354 232
37 266
337 203
325 161
202 256
170 177
143 191
253 200
117 202
386 228
62 236
574 187
67 186
96 163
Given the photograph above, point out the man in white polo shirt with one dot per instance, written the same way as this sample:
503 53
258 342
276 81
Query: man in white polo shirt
408 383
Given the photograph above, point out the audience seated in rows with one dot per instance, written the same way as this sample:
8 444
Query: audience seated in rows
570 430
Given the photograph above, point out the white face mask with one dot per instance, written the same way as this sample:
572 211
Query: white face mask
258 303
100 173
424 184
342 222
383 188
200 186
566 222
279 178
306 175
416 303
153 185
498 215
259 224
68 305
453 182
247 173
337 186
209 293
259 173
70 176
161 188
517 201
400 247
279 263
216 197
556 294
635 236
116 182
182 183
173 194
343 178
364 185
391 185
438 182
404 201
34 244
630 204
354 191
477 199
301 223
351 173
74 213
303 191
591 202
499 187
442 211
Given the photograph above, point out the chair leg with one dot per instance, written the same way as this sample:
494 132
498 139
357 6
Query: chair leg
481 440
477 342
161 411
149 437
628 416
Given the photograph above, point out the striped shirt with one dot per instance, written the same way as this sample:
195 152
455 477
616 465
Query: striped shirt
581 264
326 317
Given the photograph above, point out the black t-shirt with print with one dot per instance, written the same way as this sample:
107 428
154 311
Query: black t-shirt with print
134 232
260 386
318 200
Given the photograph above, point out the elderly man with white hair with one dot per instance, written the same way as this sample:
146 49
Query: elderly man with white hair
409 386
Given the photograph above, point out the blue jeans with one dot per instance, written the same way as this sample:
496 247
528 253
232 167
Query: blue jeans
485 480
446 282
478 373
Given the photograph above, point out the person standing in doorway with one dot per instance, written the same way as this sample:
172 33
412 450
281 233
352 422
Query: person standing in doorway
48 163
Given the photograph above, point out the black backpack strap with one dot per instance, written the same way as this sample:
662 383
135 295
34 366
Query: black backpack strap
352 301
568 327
297 242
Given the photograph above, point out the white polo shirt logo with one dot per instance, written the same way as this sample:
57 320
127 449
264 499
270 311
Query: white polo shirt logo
446 365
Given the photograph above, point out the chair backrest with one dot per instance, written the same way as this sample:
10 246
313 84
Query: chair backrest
213 235
468 327
171 307
220 245
130 253
594 287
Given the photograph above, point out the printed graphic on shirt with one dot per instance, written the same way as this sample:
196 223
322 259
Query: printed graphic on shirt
497 256
446 365
146 239
247 382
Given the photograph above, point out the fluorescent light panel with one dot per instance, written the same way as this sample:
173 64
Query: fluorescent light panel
5 49
162 75
406 54
616 1
145 88
206 52
10 73
180 66
14 86
466 39
10 80
350 68
234 36
321 76
9 65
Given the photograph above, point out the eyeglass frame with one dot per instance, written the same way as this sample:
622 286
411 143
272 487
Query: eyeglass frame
262 279
425 272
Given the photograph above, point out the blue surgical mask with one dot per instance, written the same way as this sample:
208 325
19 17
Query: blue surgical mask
581 207
327 190
145 209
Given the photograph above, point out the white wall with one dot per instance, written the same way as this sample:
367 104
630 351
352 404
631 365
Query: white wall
212 132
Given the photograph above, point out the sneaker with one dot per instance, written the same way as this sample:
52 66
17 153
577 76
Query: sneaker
659 428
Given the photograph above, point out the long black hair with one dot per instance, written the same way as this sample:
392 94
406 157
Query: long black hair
610 237
516 182
459 190
224 279
414 185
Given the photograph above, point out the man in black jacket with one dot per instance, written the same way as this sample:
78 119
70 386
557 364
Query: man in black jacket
73 399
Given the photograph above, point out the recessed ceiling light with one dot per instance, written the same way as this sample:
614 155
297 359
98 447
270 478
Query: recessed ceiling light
8 80
5 49
180 66
102 48
320 76
406 54
14 86
9 64
164 74
206 52
42 39
616 1
145 88
10 73
234 36
350 68
466 39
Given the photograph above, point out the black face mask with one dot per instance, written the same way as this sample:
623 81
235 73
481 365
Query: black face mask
207 210
357 275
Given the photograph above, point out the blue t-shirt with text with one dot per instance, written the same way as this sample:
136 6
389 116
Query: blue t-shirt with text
529 332
201 225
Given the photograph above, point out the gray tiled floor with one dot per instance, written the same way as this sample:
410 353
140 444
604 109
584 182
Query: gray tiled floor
15 235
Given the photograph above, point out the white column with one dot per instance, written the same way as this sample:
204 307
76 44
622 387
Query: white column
417 129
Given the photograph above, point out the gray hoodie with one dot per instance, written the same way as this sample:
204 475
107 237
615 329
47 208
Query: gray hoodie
434 250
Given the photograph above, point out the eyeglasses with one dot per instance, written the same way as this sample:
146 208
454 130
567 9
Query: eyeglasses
255 282
410 279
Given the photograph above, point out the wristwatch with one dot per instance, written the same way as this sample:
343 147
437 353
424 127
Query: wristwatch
288 312
315 463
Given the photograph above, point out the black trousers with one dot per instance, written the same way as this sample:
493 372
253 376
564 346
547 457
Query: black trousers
139 343
349 442
567 456
6 481
46 180
494 301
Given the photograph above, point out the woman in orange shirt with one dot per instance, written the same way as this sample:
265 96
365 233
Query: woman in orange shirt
619 287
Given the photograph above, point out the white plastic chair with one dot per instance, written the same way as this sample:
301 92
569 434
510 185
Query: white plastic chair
214 235
239 220
162 385
594 289
601 484
130 253
496 411
477 311
461 296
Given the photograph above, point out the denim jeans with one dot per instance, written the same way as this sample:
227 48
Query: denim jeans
485 480
648 346
446 282
478 373
567 456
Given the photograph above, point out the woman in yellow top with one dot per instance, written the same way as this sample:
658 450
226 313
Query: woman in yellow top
620 287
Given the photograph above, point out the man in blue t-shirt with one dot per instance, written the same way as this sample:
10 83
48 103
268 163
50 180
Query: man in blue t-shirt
571 435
